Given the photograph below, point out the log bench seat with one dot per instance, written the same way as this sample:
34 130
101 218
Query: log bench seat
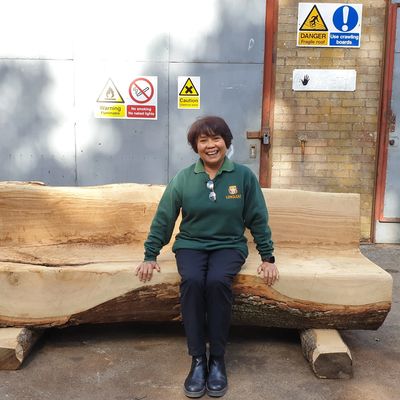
68 256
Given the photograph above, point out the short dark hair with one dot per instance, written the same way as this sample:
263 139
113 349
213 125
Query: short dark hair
210 126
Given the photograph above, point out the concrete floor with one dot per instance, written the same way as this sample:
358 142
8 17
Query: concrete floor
136 362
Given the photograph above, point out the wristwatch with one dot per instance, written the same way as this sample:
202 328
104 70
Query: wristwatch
270 259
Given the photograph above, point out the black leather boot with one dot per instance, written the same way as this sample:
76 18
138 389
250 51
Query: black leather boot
195 383
217 382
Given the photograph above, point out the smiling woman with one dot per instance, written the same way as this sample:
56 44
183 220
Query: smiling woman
210 137
218 199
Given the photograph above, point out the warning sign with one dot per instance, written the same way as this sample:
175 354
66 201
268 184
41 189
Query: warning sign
313 31
137 101
110 94
314 21
109 102
188 92
329 25
142 91
188 89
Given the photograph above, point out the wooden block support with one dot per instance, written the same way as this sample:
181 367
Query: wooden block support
15 345
327 353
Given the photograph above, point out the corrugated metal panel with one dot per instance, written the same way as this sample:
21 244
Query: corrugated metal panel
37 121
132 40
121 31
218 31
232 91
110 150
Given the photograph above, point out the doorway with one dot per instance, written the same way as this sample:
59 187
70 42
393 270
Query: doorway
387 209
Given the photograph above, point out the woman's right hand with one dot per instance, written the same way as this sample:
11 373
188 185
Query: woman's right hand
145 270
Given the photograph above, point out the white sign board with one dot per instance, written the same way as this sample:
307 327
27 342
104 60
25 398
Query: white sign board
329 25
128 98
335 80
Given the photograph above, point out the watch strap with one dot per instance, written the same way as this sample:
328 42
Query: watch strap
270 259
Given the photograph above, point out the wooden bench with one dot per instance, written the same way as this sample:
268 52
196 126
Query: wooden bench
68 255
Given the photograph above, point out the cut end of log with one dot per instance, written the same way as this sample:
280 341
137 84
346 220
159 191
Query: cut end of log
327 353
15 345
333 366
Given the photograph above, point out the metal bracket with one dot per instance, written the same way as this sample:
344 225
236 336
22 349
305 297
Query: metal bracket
264 135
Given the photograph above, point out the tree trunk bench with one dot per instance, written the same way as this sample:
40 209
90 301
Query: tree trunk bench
68 256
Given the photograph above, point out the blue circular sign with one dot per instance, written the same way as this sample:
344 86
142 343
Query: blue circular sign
345 18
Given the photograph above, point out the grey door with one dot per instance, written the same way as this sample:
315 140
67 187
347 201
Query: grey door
389 231
392 191
228 55
220 41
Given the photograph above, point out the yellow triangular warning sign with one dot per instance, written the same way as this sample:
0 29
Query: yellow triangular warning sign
188 89
110 94
314 21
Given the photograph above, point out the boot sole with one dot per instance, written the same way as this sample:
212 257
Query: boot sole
194 395
217 393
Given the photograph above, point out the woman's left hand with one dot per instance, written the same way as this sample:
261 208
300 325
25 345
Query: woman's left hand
269 272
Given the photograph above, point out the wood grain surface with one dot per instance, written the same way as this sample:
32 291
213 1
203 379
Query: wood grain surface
68 256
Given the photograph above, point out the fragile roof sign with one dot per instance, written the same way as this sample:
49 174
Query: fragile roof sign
329 25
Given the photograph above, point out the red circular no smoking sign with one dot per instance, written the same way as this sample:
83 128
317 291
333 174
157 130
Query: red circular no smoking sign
141 90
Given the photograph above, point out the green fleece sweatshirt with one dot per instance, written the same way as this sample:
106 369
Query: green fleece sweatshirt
207 224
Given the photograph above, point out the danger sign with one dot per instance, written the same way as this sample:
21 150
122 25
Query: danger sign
188 92
314 21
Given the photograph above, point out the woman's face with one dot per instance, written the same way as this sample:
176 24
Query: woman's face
211 149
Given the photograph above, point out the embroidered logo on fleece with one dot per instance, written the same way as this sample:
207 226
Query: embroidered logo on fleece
233 193
233 189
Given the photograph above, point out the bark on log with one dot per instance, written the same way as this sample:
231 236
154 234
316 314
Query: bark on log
15 345
255 304
327 354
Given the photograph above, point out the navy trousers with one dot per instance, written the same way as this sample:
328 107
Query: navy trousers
206 296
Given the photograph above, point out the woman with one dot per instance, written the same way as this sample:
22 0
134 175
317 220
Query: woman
218 199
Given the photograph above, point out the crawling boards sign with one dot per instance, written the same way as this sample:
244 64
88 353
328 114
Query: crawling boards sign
188 92
341 80
128 98
329 25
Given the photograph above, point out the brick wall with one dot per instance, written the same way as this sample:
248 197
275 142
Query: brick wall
340 127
